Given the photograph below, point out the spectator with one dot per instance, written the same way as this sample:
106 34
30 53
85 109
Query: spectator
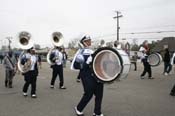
134 60
9 63
167 65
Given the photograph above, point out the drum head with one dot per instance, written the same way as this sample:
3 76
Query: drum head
107 64
154 59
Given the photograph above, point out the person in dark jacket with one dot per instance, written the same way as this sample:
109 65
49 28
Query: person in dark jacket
1 58
167 63
134 60
10 65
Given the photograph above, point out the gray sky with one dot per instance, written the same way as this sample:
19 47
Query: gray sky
95 17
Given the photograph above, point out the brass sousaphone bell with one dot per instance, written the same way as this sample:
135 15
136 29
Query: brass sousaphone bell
25 42
57 41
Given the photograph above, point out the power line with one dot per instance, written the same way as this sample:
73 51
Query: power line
149 32
152 27
157 38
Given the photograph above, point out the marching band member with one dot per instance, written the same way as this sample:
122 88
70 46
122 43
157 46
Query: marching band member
57 58
90 84
147 67
172 93
30 76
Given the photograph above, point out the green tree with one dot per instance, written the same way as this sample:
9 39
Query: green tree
135 47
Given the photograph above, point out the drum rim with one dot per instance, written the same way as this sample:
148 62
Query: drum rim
160 59
120 59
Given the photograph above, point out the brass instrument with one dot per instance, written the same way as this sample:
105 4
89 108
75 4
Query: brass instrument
57 41
25 42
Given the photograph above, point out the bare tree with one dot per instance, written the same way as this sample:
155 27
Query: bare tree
134 41
73 43
4 47
37 46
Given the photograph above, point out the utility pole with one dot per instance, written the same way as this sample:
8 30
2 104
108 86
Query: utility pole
1 44
9 40
117 17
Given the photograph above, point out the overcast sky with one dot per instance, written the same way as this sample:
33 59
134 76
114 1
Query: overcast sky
95 17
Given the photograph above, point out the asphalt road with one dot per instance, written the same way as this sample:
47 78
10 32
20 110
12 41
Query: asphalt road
129 97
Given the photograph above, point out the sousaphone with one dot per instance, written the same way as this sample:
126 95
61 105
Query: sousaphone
25 42
57 41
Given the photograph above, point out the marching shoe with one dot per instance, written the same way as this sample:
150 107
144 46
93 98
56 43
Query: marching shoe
78 113
52 86
78 80
150 78
25 94
33 96
62 87
141 77
166 74
97 115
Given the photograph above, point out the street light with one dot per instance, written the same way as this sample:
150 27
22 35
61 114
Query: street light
1 44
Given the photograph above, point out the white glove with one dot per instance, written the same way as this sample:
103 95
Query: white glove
79 58
89 60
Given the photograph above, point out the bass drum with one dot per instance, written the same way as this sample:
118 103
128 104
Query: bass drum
109 64
154 59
